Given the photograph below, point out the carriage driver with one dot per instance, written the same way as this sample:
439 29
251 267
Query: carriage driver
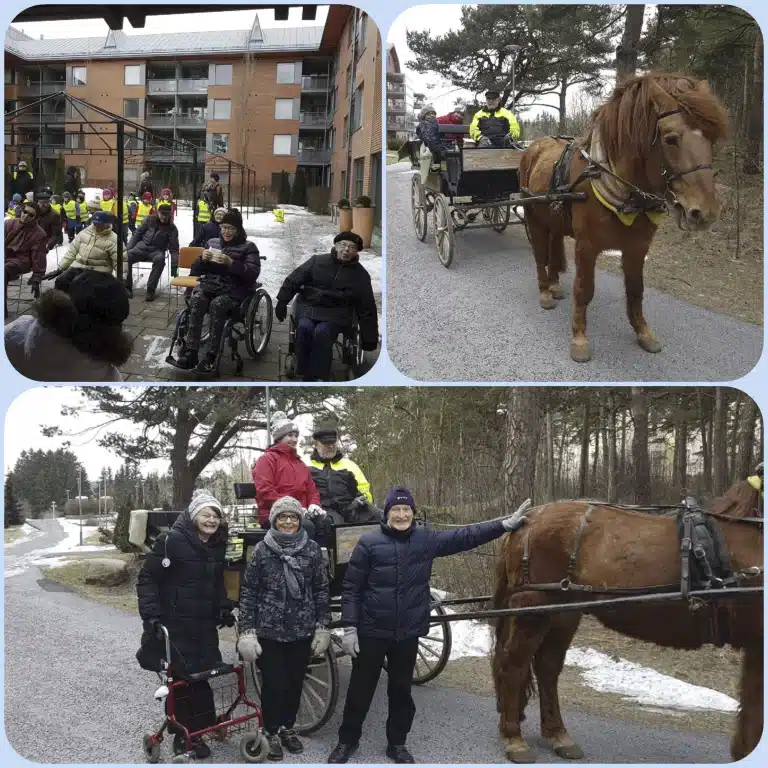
385 609
494 125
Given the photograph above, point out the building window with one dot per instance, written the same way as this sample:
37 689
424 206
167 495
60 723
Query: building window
222 109
283 109
79 75
348 82
360 33
132 74
131 108
286 74
74 141
10 76
358 169
220 143
357 109
281 144
135 143
343 190
222 74
346 132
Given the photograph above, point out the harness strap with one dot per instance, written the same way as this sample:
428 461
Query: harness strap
573 557
685 548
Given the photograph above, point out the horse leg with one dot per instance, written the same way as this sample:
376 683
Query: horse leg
548 664
556 264
749 724
538 234
583 291
512 678
632 263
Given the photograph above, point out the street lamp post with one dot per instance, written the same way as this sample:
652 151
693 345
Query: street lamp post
80 499
514 52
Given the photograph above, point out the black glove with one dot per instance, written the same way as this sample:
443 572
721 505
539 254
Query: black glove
53 275
281 311
369 346
152 626
174 270
226 618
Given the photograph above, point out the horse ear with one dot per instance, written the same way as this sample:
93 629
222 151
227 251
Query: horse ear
704 87
660 98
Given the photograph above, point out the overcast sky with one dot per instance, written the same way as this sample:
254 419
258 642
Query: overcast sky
192 22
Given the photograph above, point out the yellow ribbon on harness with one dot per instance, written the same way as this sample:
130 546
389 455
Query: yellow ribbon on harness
279 215
628 219
756 482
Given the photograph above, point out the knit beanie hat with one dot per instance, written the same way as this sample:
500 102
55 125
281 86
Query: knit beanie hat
166 193
16 198
281 426
100 296
202 499
351 236
146 196
425 110
234 218
286 504
106 192
164 206
398 495
220 210
145 175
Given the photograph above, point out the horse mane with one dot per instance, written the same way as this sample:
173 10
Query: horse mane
742 500
627 120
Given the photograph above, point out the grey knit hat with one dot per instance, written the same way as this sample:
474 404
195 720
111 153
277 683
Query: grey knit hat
202 499
286 504
426 109
281 426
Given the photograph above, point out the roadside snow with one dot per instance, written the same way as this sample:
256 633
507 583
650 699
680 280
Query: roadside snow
28 532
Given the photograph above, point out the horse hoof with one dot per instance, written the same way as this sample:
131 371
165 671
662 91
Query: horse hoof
546 301
580 352
521 756
572 752
557 291
649 342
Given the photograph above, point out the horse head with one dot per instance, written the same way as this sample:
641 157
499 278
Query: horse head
744 500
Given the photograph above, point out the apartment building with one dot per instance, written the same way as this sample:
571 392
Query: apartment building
261 97
401 121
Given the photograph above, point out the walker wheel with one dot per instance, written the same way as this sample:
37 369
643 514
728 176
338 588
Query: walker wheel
290 367
151 748
254 747
183 758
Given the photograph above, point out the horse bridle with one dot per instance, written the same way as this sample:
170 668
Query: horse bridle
666 176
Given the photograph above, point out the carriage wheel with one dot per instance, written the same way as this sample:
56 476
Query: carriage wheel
444 237
419 208
319 694
499 218
434 649
258 323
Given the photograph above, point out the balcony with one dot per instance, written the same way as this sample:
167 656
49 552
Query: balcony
161 86
32 117
193 85
314 156
315 83
395 89
36 90
314 119
400 124
192 120
396 106
159 120
164 155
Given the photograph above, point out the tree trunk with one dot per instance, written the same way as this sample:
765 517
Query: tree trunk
753 156
562 111
734 439
640 458
523 430
584 458
550 459
611 448
626 53
705 442
749 415
719 444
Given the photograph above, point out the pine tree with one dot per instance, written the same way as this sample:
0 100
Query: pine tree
122 528
12 504
285 188
299 191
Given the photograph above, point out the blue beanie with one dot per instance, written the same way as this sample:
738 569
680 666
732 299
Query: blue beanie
399 495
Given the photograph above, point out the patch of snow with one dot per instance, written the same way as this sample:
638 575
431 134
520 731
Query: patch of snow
54 562
71 540
28 532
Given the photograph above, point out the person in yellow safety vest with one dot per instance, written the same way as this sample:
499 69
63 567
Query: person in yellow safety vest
109 204
59 209
14 207
85 209
22 180
166 196
203 213
494 125
73 210
144 208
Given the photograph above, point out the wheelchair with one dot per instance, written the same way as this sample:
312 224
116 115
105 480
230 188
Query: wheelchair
251 322
347 350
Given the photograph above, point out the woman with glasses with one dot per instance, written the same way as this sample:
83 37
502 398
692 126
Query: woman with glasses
228 269
333 288
26 250
284 615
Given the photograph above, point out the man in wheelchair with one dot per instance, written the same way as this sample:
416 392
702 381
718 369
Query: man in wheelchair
332 288
228 271
494 125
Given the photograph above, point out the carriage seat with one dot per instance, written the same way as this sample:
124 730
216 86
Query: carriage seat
709 563
245 491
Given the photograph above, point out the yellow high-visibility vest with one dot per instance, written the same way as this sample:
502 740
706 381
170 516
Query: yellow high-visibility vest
56 207
11 212
70 210
29 172
142 211
85 214
203 212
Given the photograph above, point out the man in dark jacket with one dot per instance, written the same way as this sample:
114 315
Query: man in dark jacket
22 181
385 609
146 185
332 287
25 250
71 182
49 221
149 242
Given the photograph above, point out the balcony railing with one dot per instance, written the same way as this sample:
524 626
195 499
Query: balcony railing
315 83
169 155
193 85
159 120
313 119
161 86
396 106
36 89
397 89
314 156
32 117
191 121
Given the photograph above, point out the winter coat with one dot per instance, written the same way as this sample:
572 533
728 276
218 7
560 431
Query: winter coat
451 119
429 133
339 481
187 596
281 472
92 250
153 236
386 584
267 606
494 125
146 186
21 182
209 231
50 223
329 290
26 247
236 279
70 184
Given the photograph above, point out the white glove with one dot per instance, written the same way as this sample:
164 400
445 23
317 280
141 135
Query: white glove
314 510
248 647
349 642
513 522
320 641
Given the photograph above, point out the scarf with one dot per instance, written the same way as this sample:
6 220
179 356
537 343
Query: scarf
286 546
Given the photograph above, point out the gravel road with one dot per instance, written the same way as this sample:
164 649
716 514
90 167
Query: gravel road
480 320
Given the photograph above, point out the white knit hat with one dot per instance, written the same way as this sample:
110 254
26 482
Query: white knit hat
286 504
202 499
281 426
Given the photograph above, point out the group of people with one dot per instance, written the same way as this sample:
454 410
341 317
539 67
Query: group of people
284 609
331 288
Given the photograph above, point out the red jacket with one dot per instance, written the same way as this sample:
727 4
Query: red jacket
26 247
450 119
280 472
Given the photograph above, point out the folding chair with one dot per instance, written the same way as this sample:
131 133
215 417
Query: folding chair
187 257
21 280
147 267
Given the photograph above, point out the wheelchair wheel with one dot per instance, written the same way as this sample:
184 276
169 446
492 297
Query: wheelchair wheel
258 323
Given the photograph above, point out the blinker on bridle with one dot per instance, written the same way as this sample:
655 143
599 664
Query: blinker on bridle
666 176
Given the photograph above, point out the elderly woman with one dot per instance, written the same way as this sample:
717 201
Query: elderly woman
210 230
428 130
181 586
284 615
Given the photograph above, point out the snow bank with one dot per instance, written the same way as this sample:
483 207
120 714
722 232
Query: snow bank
28 533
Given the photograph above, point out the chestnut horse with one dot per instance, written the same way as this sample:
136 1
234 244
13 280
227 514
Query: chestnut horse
650 145
623 549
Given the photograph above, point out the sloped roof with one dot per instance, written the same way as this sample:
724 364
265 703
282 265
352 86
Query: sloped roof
124 46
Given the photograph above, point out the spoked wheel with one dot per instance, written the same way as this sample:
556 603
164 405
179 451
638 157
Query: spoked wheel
444 237
419 207
434 649
499 218
258 323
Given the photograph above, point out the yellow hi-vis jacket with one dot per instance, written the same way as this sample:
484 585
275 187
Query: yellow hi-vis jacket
110 206
142 211
339 481
203 212
499 123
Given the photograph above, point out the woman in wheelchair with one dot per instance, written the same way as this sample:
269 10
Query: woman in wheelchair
228 270
331 288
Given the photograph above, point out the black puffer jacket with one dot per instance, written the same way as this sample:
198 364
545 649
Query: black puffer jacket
187 596
70 183
208 231
50 223
153 235
329 290
236 279
386 585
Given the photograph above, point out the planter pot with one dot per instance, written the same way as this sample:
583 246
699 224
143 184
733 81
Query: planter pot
345 219
362 224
